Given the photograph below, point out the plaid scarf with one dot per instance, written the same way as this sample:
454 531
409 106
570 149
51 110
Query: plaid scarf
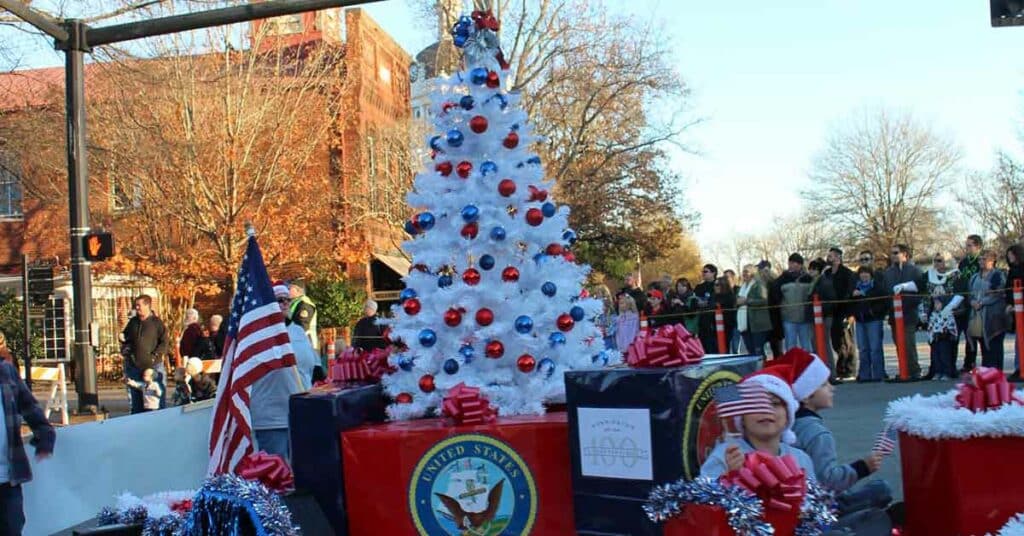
18 402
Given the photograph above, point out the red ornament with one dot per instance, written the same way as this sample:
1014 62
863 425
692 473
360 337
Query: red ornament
569 256
554 249
427 383
526 362
510 274
507 187
471 276
433 154
494 349
565 322
444 168
534 217
452 317
484 317
403 398
447 106
536 194
478 124
463 169
419 268
470 230
492 79
511 141
412 306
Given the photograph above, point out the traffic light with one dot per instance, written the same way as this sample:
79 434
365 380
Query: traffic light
98 246
1007 12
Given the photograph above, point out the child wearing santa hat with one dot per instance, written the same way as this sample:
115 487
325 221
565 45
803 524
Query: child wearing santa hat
812 388
770 433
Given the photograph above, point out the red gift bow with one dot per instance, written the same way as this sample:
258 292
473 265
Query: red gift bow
668 346
181 507
269 469
485 20
988 389
778 481
465 405
359 365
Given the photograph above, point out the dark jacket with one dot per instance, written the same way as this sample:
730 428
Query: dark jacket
907 273
205 348
967 268
825 288
146 340
706 291
728 302
203 387
843 282
303 313
1016 272
189 339
368 335
637 294
873 306
218 340
19 404
680 313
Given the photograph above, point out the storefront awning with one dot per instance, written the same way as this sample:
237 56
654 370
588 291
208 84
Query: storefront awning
399 265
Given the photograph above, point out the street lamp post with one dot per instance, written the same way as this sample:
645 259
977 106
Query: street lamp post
76 39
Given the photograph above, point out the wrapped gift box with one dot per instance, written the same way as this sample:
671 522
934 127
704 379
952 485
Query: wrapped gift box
703 520
427 477
316 420
961 486
630 429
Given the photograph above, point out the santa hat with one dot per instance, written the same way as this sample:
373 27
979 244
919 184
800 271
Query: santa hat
655 293
809 371
776 380
281 290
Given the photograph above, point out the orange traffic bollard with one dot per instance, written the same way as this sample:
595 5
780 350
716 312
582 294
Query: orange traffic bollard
643 324
899 333
723 346
819 328
1018 311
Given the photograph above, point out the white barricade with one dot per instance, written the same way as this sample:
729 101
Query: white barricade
58 399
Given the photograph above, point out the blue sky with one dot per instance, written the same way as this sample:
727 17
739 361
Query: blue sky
772 77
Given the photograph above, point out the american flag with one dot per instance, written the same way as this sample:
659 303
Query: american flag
742 399
884 444
256 344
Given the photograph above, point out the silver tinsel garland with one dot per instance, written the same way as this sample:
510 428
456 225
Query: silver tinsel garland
742 508
225 500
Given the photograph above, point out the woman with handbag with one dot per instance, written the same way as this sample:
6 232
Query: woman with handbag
988 303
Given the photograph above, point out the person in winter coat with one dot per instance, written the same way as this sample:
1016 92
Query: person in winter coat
869 309
1015 262
943 335
630 287
656 310
368 334
201 385
682 303
904 277
792 291
776 336
145 345
627 323
753 320
705 293
970 264
824 288
988 306
187 346
726 298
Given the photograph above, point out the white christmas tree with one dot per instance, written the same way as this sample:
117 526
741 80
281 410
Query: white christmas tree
494 298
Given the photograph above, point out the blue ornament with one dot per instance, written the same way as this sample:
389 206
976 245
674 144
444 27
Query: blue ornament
410 228
428 338
444 281
533 160
546 367
407 294
548 209
426 221
555 338
486 262
451 366
470 213
455 137
498 233
460 40
569 236
405 363
466 102
549 289
524 324
577 313
435 144
538 258
488 168
466 352
465 21
502 101
478 76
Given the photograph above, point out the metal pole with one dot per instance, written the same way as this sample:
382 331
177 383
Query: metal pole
78 202
27 328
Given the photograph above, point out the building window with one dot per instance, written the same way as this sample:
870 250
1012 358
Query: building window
10 193
285 25
55 330
126 194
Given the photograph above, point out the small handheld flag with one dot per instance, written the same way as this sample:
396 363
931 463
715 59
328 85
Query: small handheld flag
742 399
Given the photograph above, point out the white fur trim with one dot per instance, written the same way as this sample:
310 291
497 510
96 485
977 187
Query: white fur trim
937 417
281 291
1014 527
780 388
813 377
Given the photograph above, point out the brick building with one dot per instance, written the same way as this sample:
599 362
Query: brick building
376 98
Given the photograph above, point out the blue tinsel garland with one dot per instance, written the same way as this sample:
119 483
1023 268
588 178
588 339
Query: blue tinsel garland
743 509
225 502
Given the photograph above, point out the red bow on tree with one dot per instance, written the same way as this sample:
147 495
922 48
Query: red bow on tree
485 20
465 405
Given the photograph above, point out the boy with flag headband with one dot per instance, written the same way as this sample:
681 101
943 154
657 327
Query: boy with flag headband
767 430
859 508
